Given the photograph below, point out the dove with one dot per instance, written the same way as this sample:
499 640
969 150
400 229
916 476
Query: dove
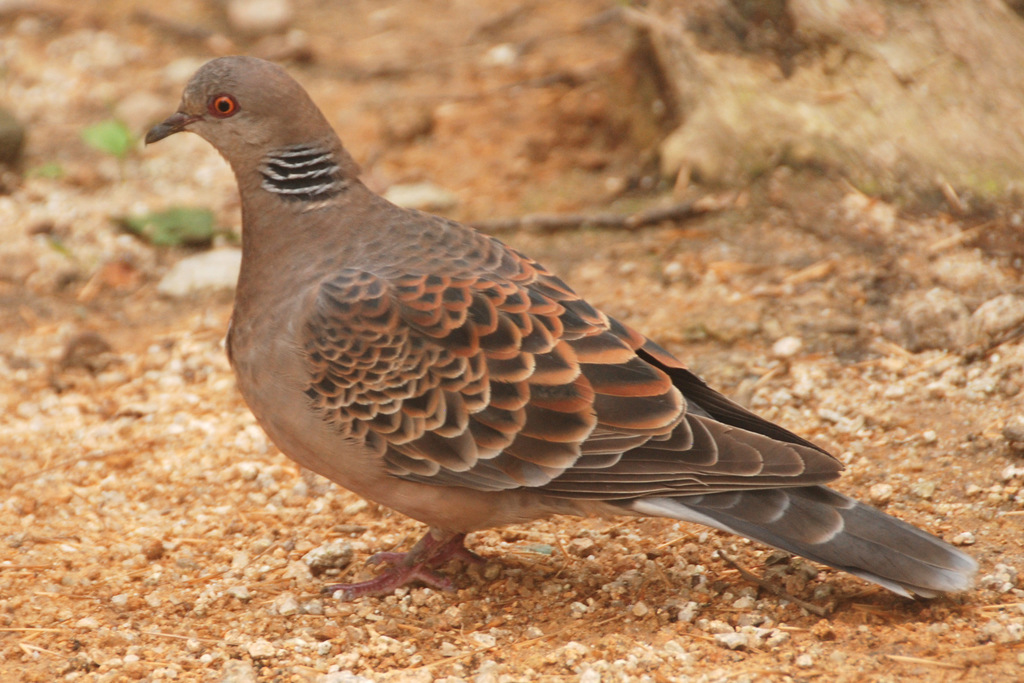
432 369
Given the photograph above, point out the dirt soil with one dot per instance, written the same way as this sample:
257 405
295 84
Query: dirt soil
149 531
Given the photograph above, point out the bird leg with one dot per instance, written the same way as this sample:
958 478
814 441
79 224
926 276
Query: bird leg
416 565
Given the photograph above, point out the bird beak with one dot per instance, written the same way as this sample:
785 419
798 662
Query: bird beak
175 123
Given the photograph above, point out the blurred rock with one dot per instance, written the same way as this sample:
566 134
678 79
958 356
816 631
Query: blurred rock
334 554
996 318
217 269
733 641
1013 430
88 350
238 671
880 494
787 347
422 196
261 649
968 274
260 17
12 138
936 319
504 54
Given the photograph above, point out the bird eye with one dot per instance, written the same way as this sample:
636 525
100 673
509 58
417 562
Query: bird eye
223 106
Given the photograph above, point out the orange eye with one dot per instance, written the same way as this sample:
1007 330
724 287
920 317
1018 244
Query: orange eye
223 106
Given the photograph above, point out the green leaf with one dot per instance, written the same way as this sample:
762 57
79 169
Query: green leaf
51 170
175 227
58 246
110 136
539 548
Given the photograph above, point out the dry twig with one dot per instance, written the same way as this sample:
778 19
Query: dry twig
922 660
555 221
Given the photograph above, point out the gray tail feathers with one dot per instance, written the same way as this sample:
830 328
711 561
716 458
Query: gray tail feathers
828 527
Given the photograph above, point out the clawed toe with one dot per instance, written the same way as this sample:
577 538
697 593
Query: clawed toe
415 566
389 581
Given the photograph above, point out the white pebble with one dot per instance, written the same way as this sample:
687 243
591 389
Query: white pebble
260 17
261 649
880 494
787 347
733 641
483 639
964 538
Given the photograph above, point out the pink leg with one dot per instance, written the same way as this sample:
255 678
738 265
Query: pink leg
417 565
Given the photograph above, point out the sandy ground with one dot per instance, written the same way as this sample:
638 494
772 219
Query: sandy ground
149 531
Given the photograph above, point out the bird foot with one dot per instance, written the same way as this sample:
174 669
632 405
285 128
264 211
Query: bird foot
414 566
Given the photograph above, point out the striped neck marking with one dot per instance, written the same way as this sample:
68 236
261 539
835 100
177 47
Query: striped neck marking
302 173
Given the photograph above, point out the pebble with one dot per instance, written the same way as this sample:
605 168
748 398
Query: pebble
260 17
744 603
344 677
240 593
484 639
421 196
334 554
238 671
804 661
969 273
286 605
298 570
688 613
1012 472
998 632
936 319
501 55
1013 430
880 494
715 626
261 649
996 317
1002 579
733 641
216 269
581 547
248 471
964 538
787 347
640 609
924 489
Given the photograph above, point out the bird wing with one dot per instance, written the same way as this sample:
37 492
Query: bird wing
491 373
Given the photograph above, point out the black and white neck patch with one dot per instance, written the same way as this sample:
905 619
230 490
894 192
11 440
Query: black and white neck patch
302 173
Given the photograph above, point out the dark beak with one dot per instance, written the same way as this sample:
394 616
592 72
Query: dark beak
175 123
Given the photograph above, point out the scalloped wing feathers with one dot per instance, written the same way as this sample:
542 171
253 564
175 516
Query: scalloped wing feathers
479 368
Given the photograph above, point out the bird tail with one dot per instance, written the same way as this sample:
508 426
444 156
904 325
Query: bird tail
828 527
